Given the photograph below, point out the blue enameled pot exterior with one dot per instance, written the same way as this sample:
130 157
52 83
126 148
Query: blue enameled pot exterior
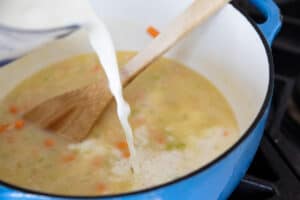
216 180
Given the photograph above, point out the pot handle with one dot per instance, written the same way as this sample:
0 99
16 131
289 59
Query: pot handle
272 25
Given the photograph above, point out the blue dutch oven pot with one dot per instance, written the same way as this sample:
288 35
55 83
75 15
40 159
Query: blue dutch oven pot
237 56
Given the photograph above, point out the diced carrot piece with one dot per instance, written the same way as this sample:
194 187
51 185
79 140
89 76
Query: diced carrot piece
101 187
126 153
122 145
97 161
152 31
160 139
49 143
96 68
19 124
158 136
69 158
13 110
3 128
225 133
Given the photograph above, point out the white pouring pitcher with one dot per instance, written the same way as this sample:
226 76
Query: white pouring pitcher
27 24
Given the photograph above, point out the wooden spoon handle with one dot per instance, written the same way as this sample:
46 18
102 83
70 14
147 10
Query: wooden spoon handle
198 12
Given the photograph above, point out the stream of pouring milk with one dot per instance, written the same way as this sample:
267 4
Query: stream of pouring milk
37 14
102 44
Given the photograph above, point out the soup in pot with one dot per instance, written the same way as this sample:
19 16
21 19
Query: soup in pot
181 121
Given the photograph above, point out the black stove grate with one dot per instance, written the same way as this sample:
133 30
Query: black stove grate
274 174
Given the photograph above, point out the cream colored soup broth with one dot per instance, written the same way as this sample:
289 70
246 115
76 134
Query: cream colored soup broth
180 122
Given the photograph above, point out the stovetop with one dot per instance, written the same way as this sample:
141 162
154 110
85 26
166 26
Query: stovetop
275 171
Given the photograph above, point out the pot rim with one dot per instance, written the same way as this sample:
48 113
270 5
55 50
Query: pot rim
205 167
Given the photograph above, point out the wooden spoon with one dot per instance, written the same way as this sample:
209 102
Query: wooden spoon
73 114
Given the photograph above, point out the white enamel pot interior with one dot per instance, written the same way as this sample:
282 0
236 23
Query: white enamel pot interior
227 49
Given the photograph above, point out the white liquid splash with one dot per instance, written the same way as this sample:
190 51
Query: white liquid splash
101 42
